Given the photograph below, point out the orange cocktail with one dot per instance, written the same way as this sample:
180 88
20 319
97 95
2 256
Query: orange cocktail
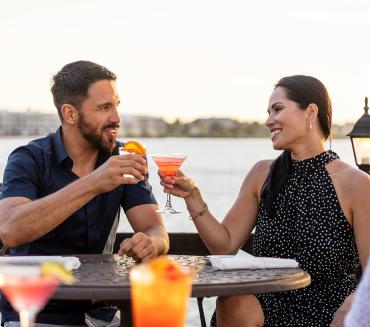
169 164
160 291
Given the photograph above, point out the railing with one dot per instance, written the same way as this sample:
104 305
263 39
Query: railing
183 243
180 243
3 248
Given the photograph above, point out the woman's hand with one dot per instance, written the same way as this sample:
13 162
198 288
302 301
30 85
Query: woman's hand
179 185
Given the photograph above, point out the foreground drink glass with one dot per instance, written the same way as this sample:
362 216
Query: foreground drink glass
27 291
169 164
160 291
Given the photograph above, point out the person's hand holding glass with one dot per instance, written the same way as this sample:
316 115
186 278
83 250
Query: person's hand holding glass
132 147
168 165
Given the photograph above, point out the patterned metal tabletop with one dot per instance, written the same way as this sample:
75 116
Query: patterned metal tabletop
105 277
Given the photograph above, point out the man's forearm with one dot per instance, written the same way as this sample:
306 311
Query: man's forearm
23 222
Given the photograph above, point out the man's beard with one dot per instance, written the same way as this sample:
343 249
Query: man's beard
95 136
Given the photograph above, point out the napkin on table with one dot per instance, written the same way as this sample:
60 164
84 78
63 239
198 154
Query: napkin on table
69 262
244 260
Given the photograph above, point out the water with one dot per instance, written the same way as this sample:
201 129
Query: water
218 165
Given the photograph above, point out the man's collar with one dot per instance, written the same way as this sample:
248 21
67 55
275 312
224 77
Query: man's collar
62 155
60 151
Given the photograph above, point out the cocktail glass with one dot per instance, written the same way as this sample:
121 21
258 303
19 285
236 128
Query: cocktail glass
121 152
26 290
169 164
160 291
132 147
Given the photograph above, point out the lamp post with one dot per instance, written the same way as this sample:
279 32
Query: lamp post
360 138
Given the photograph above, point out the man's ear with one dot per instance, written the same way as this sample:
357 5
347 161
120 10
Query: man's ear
69 114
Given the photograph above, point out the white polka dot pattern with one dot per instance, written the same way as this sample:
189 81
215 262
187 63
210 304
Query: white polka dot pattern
308 225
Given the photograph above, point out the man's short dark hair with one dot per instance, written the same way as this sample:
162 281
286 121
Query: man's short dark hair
71 84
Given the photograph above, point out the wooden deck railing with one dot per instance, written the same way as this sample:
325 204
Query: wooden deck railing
180 243
183 243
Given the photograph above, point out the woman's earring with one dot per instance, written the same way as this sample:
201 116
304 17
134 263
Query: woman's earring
310 126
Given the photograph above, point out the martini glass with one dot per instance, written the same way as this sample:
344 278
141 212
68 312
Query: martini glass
26 290
168 165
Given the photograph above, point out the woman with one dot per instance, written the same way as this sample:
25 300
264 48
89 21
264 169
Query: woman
307 205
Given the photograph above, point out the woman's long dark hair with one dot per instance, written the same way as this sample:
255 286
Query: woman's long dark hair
303 90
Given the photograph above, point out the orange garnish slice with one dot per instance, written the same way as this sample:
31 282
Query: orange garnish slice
166 268
135 147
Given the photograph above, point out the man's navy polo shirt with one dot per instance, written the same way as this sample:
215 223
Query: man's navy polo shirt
43 167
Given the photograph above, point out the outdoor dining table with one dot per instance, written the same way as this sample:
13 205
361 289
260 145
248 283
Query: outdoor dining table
106 278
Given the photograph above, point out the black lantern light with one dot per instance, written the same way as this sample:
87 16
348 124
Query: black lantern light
360 138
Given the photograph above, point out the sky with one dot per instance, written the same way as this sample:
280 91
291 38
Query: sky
187 59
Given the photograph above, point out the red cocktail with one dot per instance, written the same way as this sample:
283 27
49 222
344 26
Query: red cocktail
28 288
169 164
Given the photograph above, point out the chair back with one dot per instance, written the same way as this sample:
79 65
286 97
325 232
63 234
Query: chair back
3 248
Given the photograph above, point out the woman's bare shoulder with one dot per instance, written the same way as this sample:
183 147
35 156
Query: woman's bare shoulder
349 175
258 173
262 166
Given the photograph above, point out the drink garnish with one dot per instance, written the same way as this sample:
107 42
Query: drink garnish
167 268
134 147
58 270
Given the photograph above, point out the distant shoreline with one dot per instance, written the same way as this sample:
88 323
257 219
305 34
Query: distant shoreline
30 124
337 137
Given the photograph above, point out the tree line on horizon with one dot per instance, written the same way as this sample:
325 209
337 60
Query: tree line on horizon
37 123
222 127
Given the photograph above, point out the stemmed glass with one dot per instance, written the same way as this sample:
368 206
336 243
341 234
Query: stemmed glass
26 290
169 164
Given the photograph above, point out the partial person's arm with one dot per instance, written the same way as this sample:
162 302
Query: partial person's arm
150 238
358 189
342 311
360 308
228 236
23 220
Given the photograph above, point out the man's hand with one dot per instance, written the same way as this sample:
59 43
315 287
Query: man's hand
117 170
341 313
140 247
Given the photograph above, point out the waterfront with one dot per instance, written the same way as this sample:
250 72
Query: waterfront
219 166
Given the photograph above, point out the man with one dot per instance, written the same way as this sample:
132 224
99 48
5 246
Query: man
61 193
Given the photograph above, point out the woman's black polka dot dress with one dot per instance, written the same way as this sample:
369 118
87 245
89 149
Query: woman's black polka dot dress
308 225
